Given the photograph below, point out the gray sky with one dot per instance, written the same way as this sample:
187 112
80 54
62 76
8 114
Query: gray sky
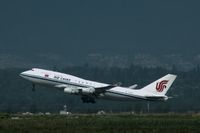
91 26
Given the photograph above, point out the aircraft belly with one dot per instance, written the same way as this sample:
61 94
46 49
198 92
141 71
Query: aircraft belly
114 96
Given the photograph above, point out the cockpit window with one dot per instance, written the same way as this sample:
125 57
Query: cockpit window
34 69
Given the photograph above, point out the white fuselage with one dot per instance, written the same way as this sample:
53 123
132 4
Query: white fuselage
56 79
91 90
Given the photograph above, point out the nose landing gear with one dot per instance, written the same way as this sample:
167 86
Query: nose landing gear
33 87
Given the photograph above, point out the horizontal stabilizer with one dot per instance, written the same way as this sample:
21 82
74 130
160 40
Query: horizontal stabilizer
133 86
161 98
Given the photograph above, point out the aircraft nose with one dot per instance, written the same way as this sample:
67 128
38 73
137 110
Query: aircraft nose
22 74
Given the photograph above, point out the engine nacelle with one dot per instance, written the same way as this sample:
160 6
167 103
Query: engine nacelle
71 90
87 90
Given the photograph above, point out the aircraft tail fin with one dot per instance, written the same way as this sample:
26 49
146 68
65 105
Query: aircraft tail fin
160 86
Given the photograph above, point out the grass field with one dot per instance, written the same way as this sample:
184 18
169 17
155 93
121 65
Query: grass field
118 123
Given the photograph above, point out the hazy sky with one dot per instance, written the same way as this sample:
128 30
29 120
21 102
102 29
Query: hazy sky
104 26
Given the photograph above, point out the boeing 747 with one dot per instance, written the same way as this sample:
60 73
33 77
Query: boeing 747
91 90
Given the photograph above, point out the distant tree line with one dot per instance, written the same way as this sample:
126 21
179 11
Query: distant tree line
16 94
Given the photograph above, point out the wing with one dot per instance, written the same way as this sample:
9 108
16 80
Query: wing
88 94
100 90
103 89
85 90
61 86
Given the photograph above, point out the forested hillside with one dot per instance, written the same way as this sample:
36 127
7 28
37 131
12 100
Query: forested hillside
16 93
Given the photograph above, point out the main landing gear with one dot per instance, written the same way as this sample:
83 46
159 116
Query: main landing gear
87 99
33 87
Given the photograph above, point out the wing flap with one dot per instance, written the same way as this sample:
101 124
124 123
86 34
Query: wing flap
103 89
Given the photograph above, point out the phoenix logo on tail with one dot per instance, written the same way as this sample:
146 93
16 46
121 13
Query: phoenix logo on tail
160 86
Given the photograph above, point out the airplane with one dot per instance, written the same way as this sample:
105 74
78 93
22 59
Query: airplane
92 90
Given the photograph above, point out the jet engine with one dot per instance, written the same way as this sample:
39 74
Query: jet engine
86 90
71 90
